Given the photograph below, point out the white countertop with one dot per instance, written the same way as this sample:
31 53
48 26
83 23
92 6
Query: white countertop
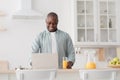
60 70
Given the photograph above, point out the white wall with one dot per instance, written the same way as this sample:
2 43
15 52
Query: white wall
15 43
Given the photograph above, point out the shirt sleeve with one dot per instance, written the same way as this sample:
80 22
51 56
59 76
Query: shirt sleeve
70 50
36 44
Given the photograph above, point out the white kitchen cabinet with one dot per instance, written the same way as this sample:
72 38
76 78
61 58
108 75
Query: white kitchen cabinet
72 74
85 21
107 21
96 22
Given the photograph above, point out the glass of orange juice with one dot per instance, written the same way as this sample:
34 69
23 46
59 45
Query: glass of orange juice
64 62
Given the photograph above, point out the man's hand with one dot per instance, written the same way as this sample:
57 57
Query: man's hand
69 64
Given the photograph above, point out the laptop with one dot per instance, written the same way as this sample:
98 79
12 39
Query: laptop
44 61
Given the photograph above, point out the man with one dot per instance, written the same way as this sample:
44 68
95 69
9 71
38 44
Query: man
54 40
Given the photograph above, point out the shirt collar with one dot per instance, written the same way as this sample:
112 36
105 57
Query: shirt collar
50 32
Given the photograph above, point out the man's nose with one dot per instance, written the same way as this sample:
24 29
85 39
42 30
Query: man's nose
51 25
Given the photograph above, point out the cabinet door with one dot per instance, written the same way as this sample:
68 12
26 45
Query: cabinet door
85 21
96 21
107 21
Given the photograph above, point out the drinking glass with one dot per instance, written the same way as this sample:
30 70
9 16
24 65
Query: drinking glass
65 62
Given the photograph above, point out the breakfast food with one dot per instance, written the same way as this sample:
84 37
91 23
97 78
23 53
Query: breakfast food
115 61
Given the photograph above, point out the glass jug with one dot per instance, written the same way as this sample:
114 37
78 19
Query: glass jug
91 64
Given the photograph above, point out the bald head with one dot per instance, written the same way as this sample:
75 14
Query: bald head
52 14
52 21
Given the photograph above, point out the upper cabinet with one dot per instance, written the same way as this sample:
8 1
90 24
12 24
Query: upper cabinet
96 22
85 21
107 21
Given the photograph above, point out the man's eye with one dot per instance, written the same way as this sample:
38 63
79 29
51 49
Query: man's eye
49 23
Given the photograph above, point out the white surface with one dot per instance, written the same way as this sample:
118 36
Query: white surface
47 74
26 11
3 77
69 74
44 61
61 74
103 74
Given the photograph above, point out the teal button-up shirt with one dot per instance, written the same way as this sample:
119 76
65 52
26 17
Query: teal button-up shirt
42 44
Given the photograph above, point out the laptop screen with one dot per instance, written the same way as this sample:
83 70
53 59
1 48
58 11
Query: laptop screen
44 61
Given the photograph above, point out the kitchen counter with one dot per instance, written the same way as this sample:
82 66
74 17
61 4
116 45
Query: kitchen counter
68 70
59 70
62 74
72 74
7 72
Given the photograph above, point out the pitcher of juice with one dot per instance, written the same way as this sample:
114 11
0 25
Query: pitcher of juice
90 62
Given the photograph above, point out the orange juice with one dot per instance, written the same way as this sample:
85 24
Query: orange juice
90 65
64 64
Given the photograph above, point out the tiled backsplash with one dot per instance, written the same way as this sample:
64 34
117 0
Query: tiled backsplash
81 56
